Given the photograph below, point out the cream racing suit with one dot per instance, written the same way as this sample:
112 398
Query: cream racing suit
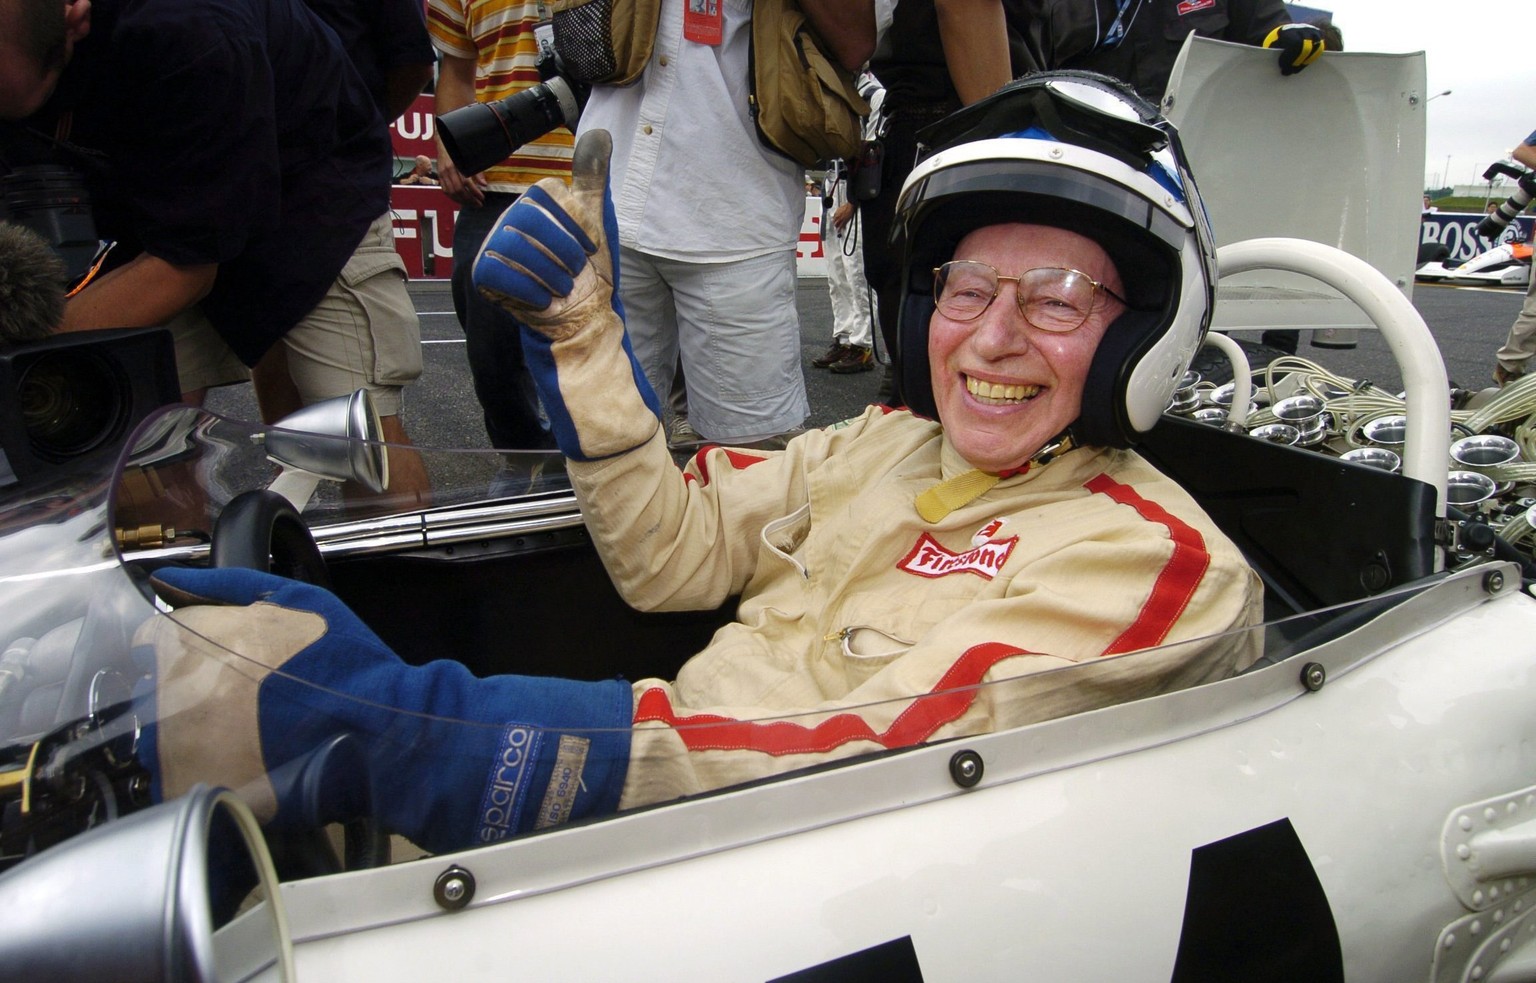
863 627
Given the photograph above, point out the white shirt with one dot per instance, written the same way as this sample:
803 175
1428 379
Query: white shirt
691 181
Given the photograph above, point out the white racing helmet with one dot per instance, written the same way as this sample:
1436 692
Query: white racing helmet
1082 152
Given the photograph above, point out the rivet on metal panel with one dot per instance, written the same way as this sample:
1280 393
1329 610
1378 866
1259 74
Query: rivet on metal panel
966 768
1313 676
454 888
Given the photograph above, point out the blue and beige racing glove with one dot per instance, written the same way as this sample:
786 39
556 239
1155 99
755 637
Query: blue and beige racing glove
252 672
552 262
1299 46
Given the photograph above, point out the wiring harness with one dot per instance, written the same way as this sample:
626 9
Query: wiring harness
1493 452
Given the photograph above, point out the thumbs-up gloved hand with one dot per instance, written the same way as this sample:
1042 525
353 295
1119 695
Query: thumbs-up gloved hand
1298 44
552 261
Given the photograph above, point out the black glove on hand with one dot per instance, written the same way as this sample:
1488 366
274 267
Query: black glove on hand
1298 44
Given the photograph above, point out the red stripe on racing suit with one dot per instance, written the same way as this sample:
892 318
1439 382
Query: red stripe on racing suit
956 690
927 713
1175 584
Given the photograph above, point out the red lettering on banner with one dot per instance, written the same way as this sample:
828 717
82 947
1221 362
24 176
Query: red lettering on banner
415 132
424 218
811 236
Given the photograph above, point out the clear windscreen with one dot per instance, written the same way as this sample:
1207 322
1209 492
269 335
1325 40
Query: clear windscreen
110 701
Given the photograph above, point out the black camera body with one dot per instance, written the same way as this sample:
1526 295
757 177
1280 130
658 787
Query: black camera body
51 200
865 171
1493 225
483 134
44 188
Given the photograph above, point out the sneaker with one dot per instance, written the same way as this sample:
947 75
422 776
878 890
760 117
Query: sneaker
832 355
682 432
859 358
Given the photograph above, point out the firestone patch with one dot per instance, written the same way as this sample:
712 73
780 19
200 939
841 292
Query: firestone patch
930 558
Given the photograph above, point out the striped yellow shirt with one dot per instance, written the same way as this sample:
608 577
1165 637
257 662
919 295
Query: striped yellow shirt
498 34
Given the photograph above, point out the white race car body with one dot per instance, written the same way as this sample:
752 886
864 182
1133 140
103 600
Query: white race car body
1225 827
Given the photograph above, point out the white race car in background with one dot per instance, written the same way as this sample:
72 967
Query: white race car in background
1505 265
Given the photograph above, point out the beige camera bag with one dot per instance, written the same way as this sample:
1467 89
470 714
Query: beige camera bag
805 106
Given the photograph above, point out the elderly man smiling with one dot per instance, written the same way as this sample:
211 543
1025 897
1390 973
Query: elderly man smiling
907 576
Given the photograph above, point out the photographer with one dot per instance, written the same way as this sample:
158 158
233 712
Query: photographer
490 51
709 215
853 306
233 154
1521 343
709 218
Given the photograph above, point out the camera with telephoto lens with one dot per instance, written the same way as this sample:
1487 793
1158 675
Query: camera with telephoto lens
483 134
1494 224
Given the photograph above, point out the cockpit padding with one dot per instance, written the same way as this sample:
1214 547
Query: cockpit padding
1317 530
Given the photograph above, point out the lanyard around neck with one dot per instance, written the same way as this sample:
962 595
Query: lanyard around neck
1120 25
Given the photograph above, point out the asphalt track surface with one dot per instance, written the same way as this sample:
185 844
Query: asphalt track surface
1469 324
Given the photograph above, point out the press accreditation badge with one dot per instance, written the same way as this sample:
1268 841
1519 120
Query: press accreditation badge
703 21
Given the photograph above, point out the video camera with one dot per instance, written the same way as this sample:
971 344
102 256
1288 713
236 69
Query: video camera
1494 224
63 397
482 134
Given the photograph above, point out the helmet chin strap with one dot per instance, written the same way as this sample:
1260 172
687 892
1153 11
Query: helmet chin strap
935 504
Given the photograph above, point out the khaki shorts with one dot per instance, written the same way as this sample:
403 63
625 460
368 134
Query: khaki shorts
364 334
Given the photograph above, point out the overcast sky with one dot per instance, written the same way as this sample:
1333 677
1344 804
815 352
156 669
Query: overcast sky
1481 50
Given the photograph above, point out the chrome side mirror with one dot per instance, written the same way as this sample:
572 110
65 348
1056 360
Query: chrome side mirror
184 890
336 438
